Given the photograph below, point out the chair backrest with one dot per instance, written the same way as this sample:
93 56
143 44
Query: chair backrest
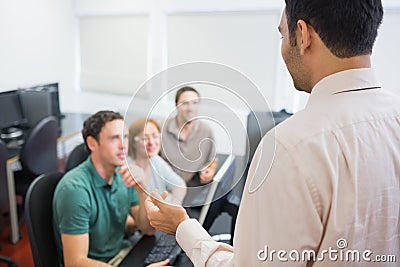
259 123
78 155
39 153
3 179
39 219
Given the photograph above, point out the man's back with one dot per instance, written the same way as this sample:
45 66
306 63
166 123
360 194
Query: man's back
334 177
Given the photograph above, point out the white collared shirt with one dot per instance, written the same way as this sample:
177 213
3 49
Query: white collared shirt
333 185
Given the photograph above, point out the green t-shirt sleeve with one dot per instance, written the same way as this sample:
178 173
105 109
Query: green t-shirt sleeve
73 210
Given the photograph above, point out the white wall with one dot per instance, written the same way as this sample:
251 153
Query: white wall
37 44
386 56
40 44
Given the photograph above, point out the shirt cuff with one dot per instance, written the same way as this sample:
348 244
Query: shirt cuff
189 233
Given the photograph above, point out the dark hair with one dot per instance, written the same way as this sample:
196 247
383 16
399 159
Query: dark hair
348 28
93 125
182 90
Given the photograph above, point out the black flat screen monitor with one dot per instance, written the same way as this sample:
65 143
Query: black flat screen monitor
39 102
259 123
11 113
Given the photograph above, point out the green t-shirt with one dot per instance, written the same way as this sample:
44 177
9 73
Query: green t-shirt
84 203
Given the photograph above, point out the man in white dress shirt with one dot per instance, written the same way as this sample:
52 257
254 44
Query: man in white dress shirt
331 196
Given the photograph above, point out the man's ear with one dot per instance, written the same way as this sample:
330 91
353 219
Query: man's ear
92 143
303 36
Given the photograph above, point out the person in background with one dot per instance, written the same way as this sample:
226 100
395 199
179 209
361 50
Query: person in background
187 143
92 201
144 147
328 194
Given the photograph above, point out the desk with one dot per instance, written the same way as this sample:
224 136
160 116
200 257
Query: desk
70 125
139 252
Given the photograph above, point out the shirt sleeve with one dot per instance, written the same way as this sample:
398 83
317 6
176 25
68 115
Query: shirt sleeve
74 210
166 173
201 248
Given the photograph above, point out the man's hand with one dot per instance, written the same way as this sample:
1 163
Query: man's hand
207 175
134 177
163 216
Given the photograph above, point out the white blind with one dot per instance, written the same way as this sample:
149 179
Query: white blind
385 56
247 41
113 53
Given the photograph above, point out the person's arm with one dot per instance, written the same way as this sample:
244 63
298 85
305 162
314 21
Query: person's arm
134 178
76 249
73 212
139 213
130 225
177 195
174 183
200 247
194 240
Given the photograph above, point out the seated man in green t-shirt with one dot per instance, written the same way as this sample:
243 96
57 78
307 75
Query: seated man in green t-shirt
92 201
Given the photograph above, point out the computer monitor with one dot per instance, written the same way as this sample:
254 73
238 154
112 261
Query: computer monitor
11 113
39 102
259 123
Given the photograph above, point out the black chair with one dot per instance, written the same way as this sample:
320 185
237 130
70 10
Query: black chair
3 195
259 123
38 154
39 219
78 155
7 260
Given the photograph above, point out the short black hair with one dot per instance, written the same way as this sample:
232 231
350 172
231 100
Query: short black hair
182 90
348 28
93 125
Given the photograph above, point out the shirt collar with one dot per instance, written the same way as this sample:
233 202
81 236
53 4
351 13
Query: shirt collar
353 79
97 179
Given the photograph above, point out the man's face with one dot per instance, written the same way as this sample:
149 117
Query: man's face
187 106
113 140
291 56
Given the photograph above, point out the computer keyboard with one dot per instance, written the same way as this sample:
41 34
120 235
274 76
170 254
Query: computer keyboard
165 247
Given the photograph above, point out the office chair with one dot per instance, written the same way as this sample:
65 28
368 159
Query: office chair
3 195
258 124
39 219
78 155
38 154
